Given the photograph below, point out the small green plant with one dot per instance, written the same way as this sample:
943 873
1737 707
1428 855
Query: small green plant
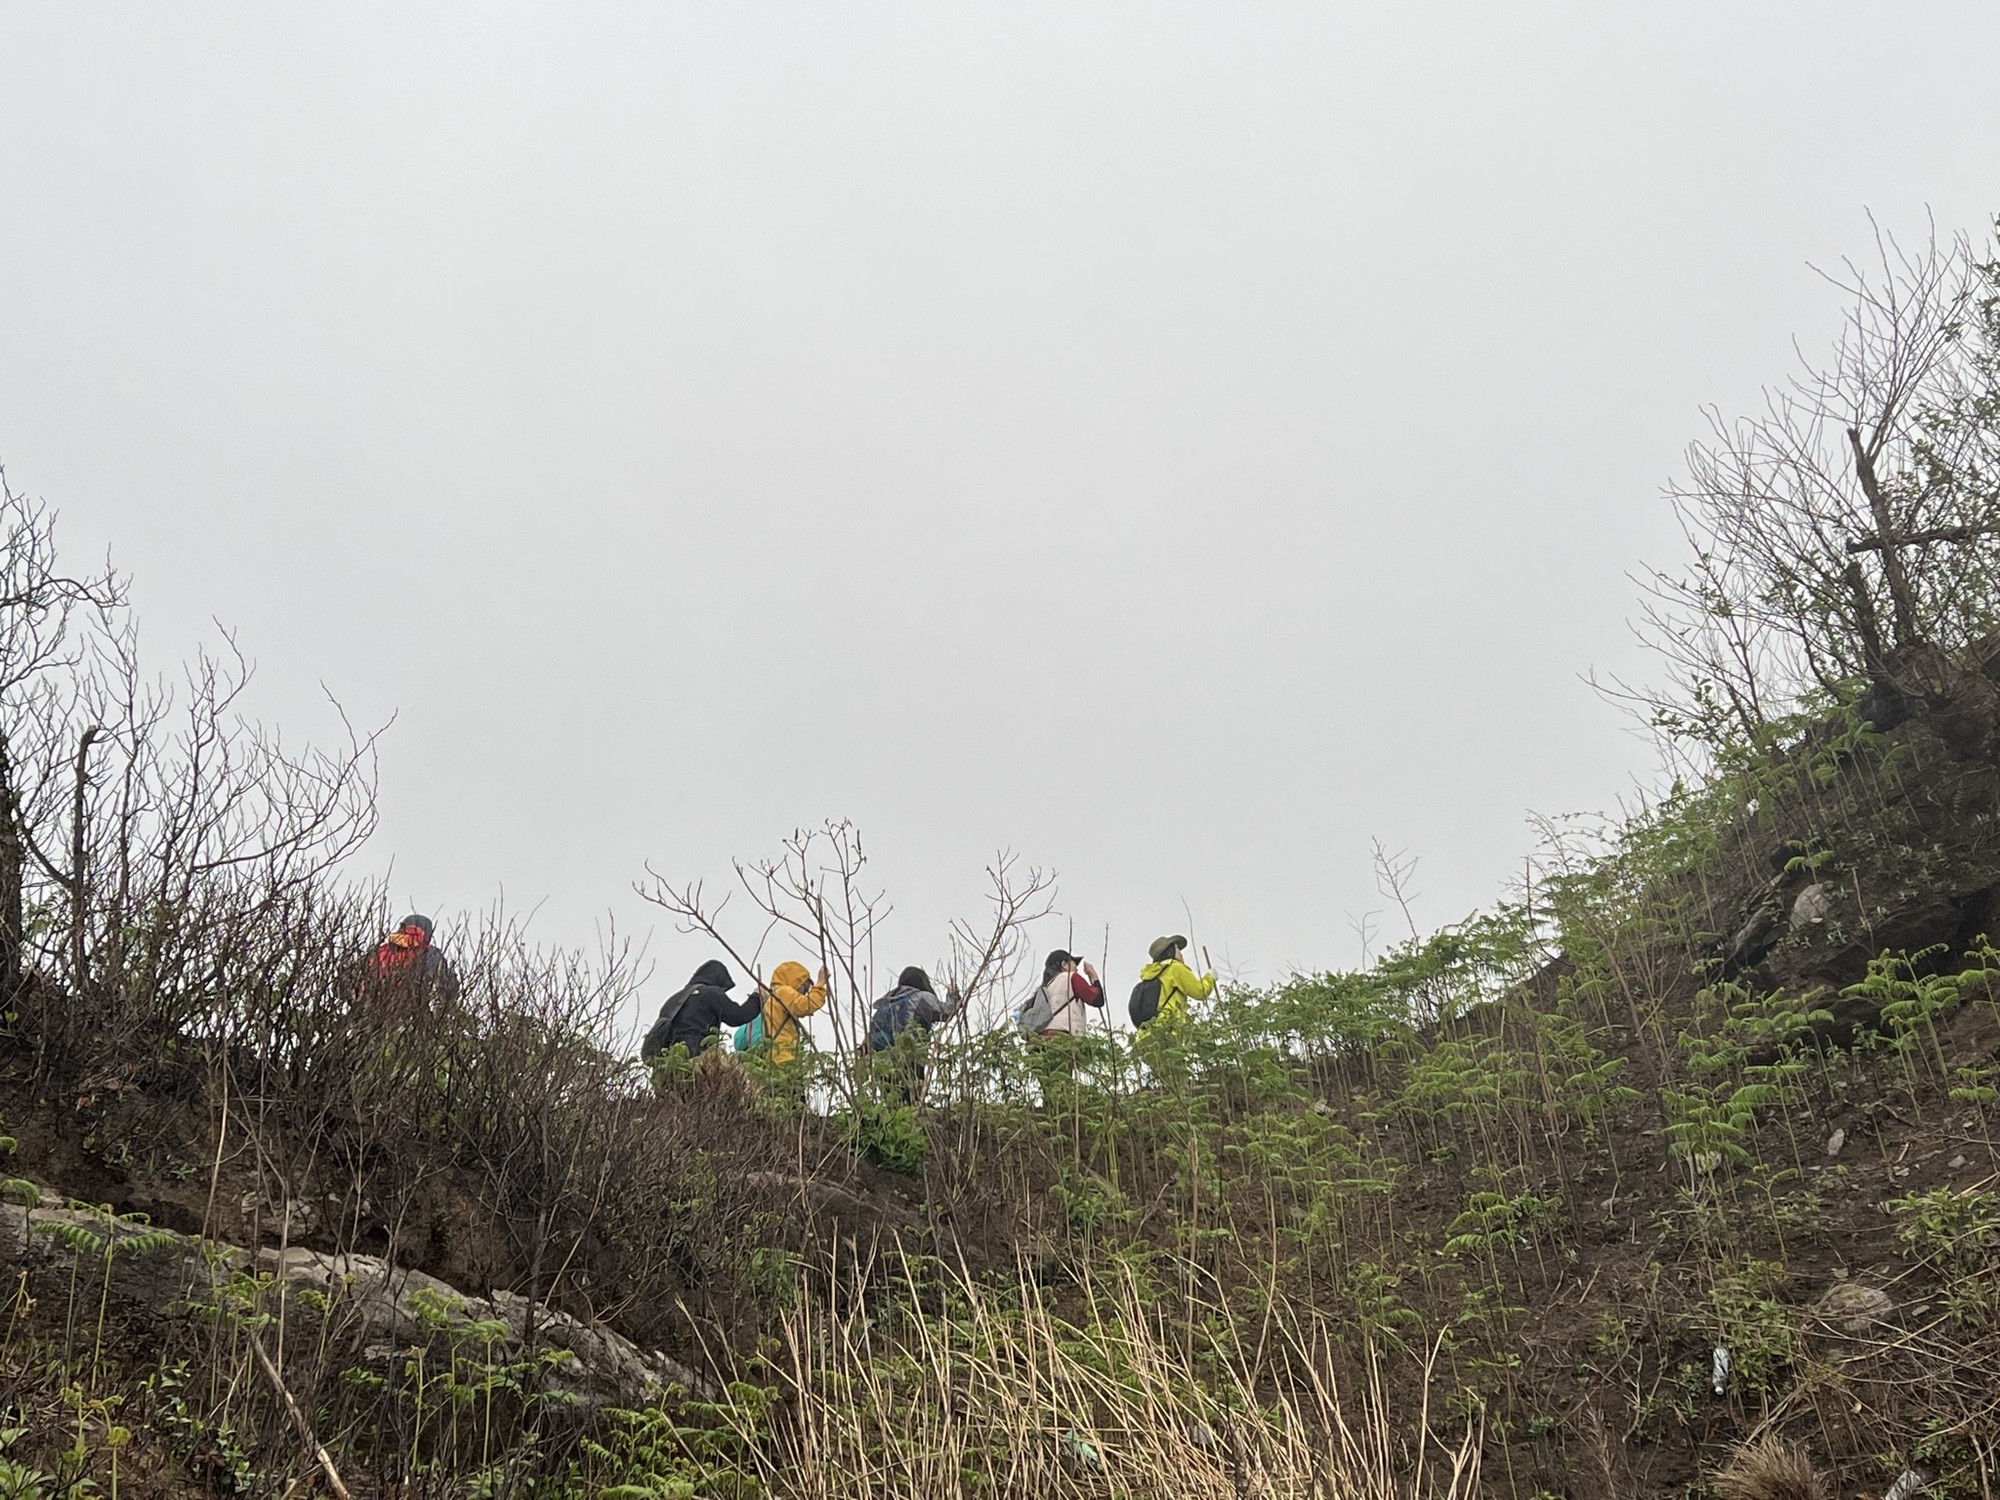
1090 1201
1757 1329
1374 1292
1958 1226
17 1189
94 1234
19 1481
888 1134
772 1275
651 1455
1959 1231
1910 1001
1707 1126
1976 1084
1712 1116
1493 1221
210 1446
1800 1215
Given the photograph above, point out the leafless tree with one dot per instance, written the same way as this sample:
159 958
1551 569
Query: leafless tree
40 644
1850 532
985 958
142 824
814 893
1394 872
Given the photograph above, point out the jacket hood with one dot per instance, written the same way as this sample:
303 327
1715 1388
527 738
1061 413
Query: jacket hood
1155 970
791 975
715 974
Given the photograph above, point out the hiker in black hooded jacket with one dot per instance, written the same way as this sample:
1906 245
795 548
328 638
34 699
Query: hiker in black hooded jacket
690 1014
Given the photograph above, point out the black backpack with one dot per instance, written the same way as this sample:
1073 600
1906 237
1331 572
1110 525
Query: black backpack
658 1039
1145 1000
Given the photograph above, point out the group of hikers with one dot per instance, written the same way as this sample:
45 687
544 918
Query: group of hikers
409 970
768 1018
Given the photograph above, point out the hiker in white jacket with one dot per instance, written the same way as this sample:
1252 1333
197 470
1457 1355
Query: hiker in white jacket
1071 984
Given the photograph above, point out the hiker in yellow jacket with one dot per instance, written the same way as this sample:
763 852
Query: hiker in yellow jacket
789 999
1178 983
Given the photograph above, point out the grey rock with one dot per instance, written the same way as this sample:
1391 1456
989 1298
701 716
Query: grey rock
1852 1307
405 1306
1812 906
1756 936
383 1309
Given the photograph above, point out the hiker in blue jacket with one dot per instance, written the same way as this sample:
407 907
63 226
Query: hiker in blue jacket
912 1006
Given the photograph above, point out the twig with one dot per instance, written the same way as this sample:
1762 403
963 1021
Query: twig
221 1140
298 1418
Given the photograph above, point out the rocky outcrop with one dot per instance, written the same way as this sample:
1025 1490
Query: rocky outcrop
391 1308
374 1310
1868 843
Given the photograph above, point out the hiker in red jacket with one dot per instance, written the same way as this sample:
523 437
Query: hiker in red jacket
409 972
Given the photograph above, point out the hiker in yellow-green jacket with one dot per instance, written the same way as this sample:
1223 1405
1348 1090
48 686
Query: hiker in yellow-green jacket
1177 983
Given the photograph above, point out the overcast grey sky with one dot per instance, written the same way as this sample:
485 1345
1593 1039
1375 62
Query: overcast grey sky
1175 442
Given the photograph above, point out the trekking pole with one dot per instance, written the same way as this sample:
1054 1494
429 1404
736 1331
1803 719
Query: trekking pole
1112 1062
1103 984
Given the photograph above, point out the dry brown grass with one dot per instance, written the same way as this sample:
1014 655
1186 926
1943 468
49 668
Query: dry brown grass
1770 1469
996 1393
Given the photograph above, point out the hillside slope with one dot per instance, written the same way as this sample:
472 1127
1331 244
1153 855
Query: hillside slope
1475 1221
